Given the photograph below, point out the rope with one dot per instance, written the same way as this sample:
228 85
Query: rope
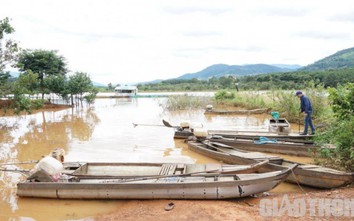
264 140
297 182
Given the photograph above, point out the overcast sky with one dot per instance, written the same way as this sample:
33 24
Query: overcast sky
121 41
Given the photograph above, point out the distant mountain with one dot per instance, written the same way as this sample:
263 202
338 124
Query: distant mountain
288 66
339 60
219 70
96 84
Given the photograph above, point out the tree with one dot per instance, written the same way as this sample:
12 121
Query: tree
42 62
8 50
342 100
57 84
79 83
110 87
26 83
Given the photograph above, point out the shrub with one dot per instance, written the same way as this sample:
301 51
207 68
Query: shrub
340 134
37 104
224 95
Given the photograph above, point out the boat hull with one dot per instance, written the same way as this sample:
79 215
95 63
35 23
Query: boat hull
304 174
238 112
166 188
294 149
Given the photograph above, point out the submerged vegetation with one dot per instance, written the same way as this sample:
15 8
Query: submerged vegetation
186 102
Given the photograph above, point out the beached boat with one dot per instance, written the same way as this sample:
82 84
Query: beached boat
265 144
254 135
152 181
133 170
304 174
230 155
182 133
243 112
279 126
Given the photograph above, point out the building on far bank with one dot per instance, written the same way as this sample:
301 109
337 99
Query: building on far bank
126 91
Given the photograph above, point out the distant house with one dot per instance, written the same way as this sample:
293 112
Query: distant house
126 91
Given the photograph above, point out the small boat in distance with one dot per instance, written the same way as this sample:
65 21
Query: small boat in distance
237 112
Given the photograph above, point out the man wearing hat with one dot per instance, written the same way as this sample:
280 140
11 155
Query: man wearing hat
306 107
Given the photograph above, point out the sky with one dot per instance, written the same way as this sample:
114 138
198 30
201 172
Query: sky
127 41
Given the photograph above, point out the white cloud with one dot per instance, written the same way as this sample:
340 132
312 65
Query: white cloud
137 40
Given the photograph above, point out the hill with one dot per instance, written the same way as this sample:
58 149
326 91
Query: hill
341 59
219 70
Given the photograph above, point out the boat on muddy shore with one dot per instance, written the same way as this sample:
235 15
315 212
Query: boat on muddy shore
152 181
265 144
305 174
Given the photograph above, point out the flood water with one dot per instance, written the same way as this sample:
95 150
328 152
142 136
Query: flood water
104 132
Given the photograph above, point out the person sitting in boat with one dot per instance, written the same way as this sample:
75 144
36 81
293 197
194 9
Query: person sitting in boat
49 168
58 153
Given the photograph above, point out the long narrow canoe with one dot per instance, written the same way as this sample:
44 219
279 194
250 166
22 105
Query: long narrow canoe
273 146
238 134
207 186
132 170
304 174
247 112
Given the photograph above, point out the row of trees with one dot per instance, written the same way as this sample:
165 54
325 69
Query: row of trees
41 72
284 81
225 82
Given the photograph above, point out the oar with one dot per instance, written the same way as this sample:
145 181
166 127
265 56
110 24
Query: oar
153 125
15 163
167 124
15 171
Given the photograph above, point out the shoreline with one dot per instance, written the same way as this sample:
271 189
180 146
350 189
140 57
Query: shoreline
281 206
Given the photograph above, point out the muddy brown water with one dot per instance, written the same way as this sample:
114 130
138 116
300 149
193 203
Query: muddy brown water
104 132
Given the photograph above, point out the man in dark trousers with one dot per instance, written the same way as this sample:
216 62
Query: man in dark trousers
306 108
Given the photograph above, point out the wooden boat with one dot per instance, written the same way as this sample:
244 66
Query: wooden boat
268 145
185 132
304 174
254 135
133 170
182 133
247 112
280 126
141 184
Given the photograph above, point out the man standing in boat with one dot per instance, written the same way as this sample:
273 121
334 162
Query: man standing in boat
306 108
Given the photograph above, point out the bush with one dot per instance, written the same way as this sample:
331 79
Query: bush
340 134
37 104
21 103
224 95
340 131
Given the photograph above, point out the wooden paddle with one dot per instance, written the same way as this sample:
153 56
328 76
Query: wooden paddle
167 124
15 163
14 170
153 125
